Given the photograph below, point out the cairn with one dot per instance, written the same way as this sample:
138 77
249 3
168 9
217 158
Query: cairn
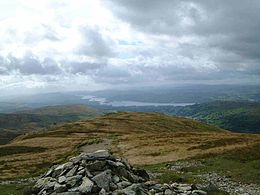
101 173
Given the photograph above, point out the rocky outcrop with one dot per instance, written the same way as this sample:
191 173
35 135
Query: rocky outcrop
102 173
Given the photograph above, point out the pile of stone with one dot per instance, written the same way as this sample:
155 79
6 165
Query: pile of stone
101 173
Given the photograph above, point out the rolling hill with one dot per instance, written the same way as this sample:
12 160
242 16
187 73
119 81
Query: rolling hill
235 116
243 117
13 124
144 138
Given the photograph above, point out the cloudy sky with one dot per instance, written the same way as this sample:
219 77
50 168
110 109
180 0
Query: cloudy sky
50 45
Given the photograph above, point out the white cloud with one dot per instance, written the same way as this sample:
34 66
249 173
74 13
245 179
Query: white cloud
54 44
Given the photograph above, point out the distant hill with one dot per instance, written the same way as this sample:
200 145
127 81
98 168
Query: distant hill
61 110
238 116
231 115
13 124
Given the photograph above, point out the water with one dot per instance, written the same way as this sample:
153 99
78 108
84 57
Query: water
103 101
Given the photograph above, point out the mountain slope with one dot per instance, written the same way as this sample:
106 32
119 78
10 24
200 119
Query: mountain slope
144 138
235 116
13 124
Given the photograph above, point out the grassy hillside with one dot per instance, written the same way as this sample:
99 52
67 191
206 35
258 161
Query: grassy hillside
13 124
235 116
144 138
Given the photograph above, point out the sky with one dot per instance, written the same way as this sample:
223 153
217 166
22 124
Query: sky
66 45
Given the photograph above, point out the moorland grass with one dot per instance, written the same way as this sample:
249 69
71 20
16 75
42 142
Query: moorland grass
10 150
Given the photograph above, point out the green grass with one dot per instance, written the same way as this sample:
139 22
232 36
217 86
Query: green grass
13 189
240 165
167 176
9 150
231 115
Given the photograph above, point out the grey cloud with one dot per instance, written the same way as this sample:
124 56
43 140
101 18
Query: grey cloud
29 65
83 67
227 26
94 44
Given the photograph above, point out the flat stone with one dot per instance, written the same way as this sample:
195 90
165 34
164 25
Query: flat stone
62 169
184 188
72 181
200 192
64 166
123 184
43 182
86 186
96 166
123 172
49 172
115 179
88 173
69 193
62 179
129 192
169 192
60 188
72 171
136 188
115 163
98 155
103 179
113 186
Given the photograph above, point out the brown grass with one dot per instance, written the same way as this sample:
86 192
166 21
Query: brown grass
141 137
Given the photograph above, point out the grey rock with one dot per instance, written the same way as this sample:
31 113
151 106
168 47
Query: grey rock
76 160
62 179
200 192
98 155
72 181
129 192
169 192
125 162
103 179
137 188
81 172
142 174
86 186
62 169
64 166
157 187
101 153
75 189
59 188
45 182
96 166
49 172
121 171
115 179
115 163
102 192
72 171
69 193
123 184
88 173
113 186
